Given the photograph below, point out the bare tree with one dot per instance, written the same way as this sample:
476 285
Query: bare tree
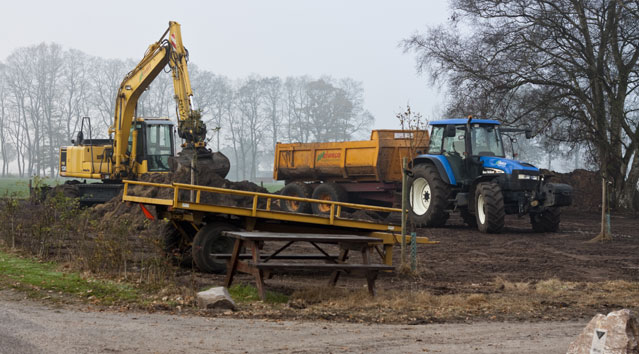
75 91
250 100
547 64
272 90
106 77
296 102
4 115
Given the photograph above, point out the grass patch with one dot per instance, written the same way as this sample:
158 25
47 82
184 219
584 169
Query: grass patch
14 186
499 300
273 187
247 293
18 187
43 279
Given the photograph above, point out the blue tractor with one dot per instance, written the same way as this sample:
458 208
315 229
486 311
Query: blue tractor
466 170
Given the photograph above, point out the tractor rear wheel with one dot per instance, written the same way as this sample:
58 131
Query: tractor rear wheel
546 221
209 240
489 207
328 191
428 197
296 189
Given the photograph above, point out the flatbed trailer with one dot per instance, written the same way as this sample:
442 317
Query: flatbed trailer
196 228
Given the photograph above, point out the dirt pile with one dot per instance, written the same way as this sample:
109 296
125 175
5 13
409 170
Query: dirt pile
115 209
586 188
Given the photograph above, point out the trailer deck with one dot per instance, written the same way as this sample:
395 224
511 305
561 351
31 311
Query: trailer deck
264 216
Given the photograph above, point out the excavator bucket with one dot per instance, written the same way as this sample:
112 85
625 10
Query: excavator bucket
215 162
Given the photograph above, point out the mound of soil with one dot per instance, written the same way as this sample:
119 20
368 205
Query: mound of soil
586 188
115 209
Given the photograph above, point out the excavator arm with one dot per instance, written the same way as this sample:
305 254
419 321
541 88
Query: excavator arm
165 51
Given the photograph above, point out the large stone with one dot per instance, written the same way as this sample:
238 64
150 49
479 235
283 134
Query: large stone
615 333
215 298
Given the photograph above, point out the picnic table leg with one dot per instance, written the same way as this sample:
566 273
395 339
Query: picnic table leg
258 273
370 281
371 274
232 264
343 254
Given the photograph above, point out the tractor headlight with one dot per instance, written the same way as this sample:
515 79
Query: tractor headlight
490 171
530 177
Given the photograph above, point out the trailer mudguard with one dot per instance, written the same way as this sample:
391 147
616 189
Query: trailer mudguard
445 171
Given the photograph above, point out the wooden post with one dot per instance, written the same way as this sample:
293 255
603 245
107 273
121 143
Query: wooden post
604 205
193 175
404 195
604 234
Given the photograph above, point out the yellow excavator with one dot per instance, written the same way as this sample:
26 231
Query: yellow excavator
137 146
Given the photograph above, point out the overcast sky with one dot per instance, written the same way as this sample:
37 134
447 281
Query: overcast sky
356 39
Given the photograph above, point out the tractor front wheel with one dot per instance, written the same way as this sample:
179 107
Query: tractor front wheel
489 207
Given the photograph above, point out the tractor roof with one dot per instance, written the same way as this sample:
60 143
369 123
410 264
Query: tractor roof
458 121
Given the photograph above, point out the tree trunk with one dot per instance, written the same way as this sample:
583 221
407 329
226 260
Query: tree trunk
628 188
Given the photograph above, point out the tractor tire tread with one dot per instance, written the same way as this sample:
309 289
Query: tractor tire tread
493 207
436 214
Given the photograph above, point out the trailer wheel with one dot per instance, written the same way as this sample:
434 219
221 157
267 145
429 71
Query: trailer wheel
546 221
468 217
489 207
328 191
177 244
210 240
296 189
428 197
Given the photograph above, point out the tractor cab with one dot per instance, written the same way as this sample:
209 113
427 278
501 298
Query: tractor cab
462 144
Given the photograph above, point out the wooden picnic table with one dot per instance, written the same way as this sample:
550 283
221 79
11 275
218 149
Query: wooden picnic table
257 262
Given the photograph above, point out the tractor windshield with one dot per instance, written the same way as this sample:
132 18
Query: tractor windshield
486 141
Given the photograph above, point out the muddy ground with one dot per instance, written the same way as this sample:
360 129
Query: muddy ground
515 275
463 277
31 328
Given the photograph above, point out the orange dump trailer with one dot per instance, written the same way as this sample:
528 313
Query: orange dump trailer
367 171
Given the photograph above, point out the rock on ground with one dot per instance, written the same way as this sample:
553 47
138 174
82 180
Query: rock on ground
615 333
217 297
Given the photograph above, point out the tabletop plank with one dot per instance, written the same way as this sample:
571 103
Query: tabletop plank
283 236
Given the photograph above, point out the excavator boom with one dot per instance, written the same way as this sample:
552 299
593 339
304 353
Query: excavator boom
137 146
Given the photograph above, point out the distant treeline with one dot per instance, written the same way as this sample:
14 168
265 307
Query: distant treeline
45 90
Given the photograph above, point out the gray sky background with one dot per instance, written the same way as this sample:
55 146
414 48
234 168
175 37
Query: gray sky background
356 39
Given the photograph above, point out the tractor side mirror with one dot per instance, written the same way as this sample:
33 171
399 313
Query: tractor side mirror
528 133
449 131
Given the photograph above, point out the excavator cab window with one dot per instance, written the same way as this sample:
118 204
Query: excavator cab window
158 140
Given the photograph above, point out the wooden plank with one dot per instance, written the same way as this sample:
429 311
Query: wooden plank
279 256
278 236
327 266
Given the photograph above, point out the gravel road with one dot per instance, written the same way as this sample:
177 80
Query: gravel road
28 327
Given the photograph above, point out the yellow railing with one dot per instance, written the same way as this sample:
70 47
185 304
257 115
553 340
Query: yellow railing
335 207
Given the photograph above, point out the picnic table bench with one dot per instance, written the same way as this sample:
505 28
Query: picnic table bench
256 262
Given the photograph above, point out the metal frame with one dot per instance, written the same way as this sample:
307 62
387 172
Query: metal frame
388 233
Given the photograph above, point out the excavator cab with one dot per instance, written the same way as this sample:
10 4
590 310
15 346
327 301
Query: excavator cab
154 146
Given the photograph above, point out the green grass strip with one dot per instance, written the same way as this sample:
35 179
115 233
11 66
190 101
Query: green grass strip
247 293
41 278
